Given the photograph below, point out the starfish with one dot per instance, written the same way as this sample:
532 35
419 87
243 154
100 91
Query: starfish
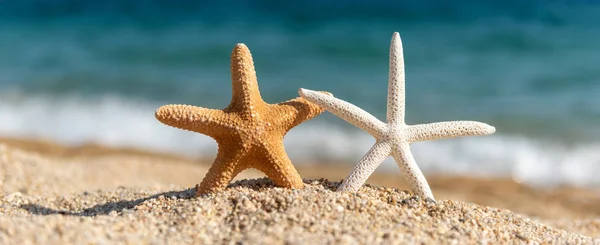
249 132
394 137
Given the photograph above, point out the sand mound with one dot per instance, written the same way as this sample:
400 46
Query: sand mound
82 201
254 211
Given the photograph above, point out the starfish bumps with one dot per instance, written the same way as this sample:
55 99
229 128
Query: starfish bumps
249 132
393 137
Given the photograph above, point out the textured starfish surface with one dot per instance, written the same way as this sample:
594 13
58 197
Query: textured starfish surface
249 132
393 138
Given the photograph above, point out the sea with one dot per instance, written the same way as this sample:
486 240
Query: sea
79 71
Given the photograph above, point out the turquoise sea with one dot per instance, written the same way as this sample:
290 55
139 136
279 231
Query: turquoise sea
94 71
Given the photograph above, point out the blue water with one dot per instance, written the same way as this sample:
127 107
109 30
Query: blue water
80 71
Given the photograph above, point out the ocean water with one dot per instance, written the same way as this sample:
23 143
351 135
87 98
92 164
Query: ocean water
82 71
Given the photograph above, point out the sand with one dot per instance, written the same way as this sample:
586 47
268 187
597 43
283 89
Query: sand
131 197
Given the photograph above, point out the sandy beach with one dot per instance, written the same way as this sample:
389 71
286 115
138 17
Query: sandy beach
52 194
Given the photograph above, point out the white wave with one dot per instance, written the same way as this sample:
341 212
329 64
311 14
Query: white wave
116 121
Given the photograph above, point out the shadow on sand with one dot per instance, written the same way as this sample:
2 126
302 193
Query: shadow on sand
106 208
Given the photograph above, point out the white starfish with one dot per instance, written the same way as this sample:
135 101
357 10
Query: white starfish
394 137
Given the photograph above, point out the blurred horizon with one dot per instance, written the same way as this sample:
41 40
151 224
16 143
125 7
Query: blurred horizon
80 71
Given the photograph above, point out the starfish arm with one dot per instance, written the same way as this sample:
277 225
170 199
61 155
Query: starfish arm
349 112
245 93
278 166
291 113
444 130
412 173
225 167
366 166
193 118
396 84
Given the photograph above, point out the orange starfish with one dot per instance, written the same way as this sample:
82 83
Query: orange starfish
249 132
